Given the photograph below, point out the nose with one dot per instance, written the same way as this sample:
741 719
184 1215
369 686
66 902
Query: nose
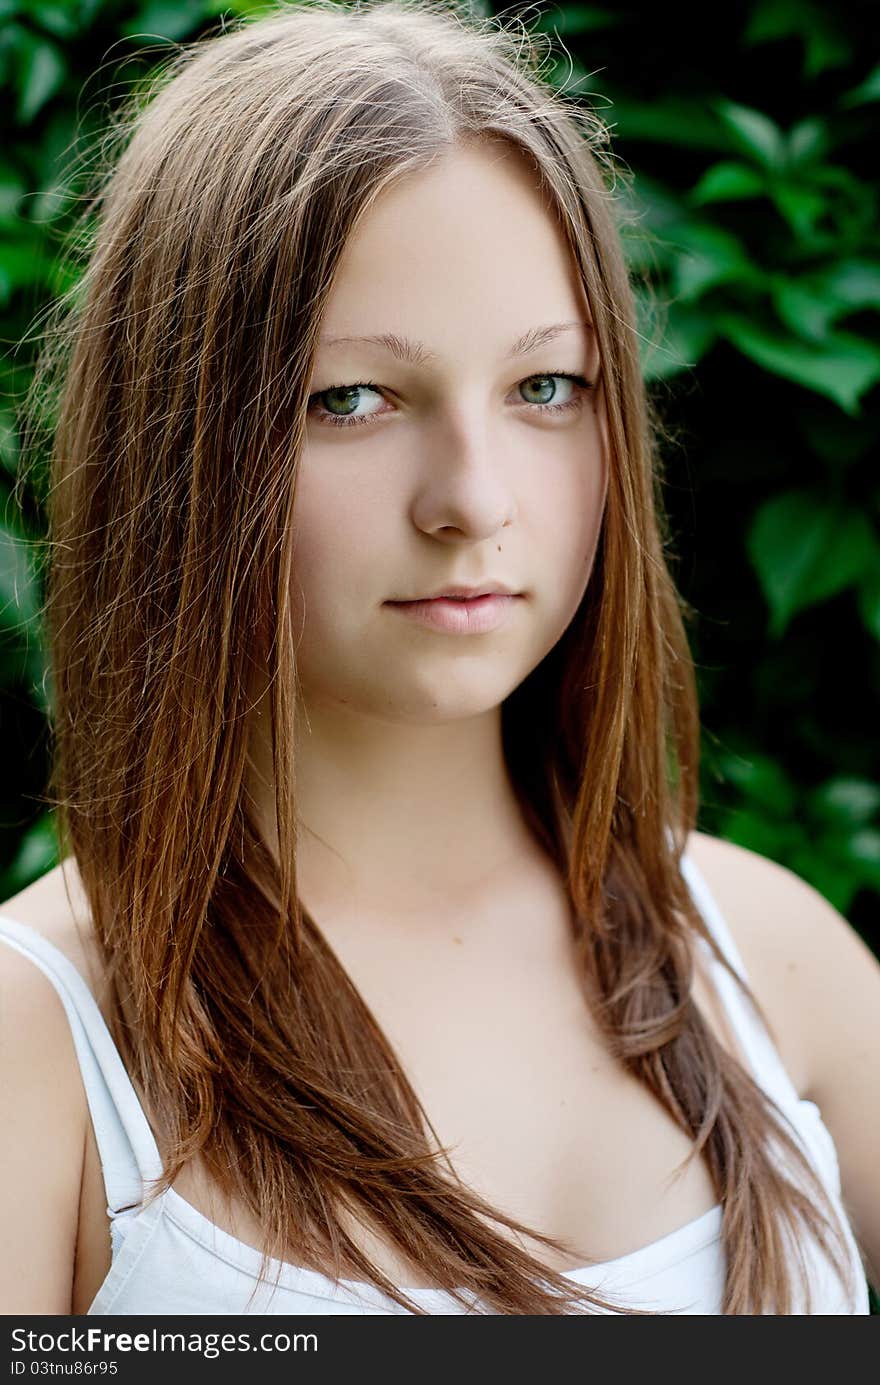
464 490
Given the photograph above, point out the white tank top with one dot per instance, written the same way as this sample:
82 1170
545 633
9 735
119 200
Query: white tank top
170 1259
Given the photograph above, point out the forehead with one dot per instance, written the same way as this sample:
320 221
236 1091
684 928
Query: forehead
465 251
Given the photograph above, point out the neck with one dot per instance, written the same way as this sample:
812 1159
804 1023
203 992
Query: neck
399 816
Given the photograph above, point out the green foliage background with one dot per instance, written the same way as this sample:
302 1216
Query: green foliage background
752 232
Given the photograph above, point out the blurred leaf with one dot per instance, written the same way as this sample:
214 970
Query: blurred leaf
675 121
754 134
12 189
768 836
761 779
801 206
21 265
805 549
9 442
869 603
575 19
255 7
846 800
36 674
19 586
61 20
811 304
37 854
807 142
41 72
851 284
802 308
652 203
727 182
824 45
839 440
710 256
688 336
169 19
863 849
842 368
865 92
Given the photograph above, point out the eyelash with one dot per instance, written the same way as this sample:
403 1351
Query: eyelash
339 421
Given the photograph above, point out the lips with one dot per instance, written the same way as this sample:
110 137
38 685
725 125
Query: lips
461 593
476 615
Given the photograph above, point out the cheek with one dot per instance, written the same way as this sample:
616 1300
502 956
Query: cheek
566 521
334 525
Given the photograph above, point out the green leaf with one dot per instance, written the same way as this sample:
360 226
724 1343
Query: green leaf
19 585
753 134
255 7
653 203
837 440
865 92
811 304
761 779
769 837
575 19
709 255
824 45
12 190
863 849
771 19
688 336
851 284
800 206
9 442
61 20
807 142
728 182
21 265
42 71
805 549
846 800
842 368
869 603
688 124
803 308
168 19
37 853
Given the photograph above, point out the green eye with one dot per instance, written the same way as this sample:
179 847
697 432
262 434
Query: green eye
342 400
545 387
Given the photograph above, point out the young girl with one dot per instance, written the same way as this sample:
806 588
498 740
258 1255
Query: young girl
385 971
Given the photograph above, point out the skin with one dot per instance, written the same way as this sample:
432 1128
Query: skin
457 477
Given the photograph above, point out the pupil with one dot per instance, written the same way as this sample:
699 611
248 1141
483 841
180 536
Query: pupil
344 395
545 386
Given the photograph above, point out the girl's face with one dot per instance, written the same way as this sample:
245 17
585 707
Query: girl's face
461 445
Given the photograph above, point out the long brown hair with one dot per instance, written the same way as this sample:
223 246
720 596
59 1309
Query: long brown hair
181 363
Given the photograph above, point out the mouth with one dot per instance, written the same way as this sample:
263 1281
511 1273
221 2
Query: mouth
461 615
456 592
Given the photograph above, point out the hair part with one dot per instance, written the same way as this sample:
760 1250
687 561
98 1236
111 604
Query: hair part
180 364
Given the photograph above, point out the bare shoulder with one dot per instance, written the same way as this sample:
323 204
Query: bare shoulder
56 907
816 978
43 1116
820 986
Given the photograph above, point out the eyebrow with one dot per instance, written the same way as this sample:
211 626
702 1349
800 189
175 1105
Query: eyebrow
416 353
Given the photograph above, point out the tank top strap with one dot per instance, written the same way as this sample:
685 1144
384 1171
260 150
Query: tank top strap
758 1046
129 1155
